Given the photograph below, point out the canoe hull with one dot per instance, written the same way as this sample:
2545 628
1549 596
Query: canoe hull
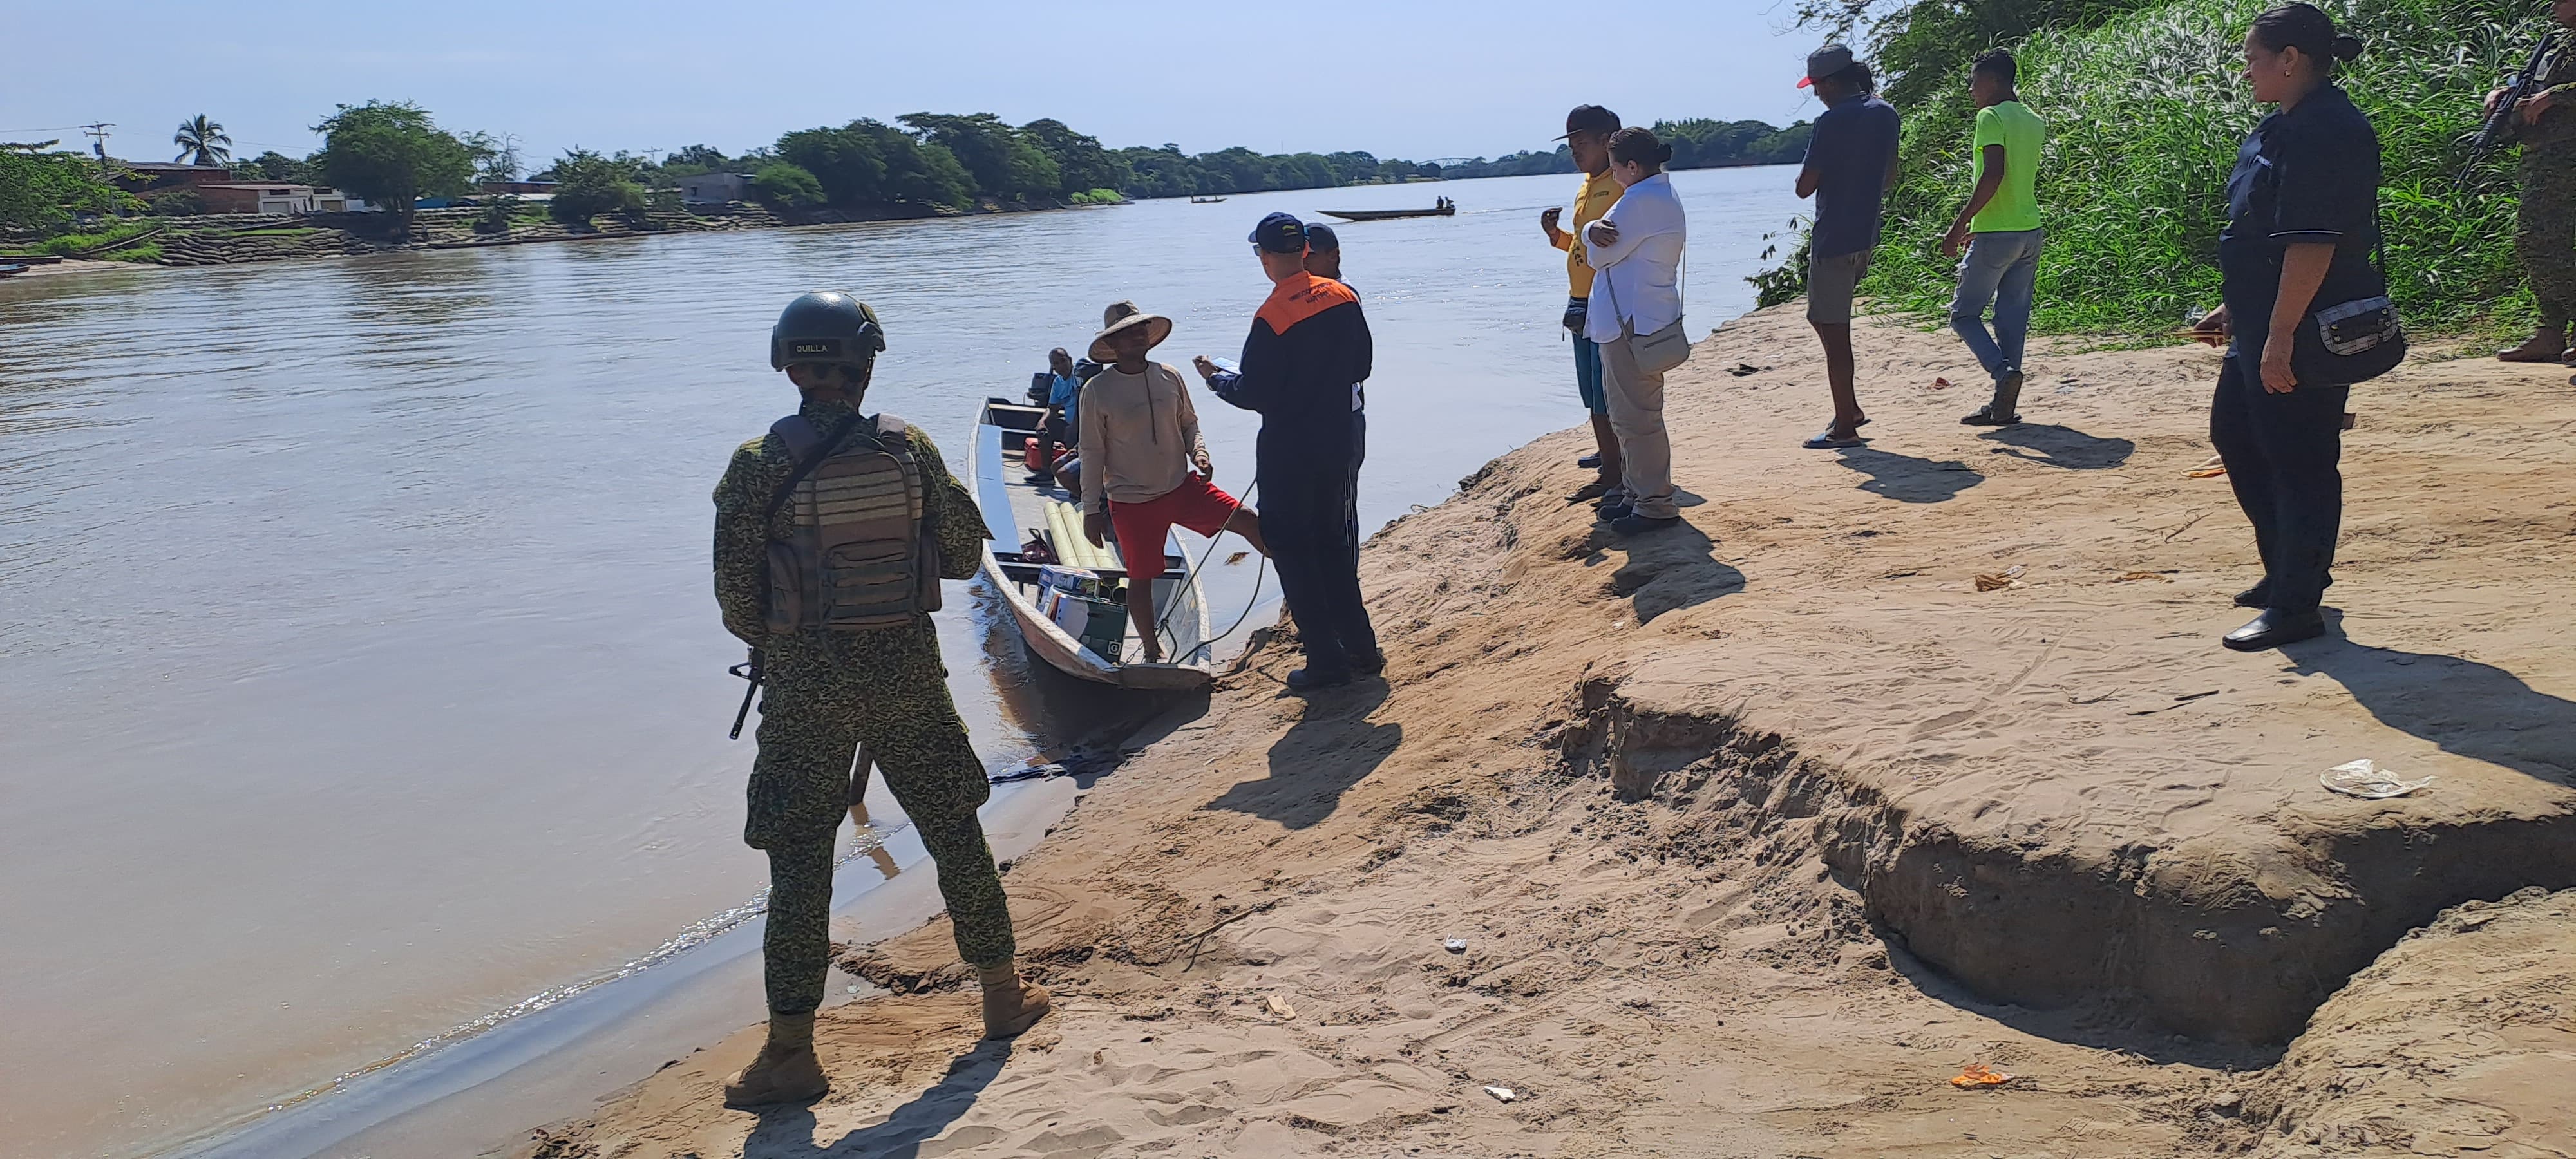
1387 214
1004 501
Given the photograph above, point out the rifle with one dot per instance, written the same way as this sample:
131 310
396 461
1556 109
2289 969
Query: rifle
2499 124
749 670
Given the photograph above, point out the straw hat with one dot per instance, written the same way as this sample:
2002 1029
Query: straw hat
1155 324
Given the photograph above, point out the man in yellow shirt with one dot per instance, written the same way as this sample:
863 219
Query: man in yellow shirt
1587 136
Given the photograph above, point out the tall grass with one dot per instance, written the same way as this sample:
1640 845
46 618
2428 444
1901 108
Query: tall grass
2145 115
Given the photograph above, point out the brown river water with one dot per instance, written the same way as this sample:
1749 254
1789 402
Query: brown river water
359 676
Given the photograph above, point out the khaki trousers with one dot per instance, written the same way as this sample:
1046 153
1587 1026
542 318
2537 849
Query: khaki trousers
1637 417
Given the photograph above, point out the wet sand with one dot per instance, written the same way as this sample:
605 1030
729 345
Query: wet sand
1751 835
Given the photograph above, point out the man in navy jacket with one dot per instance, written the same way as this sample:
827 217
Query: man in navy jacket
1303 367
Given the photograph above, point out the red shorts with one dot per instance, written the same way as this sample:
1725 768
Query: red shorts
1141 527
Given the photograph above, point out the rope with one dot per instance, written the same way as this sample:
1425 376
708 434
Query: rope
1162 626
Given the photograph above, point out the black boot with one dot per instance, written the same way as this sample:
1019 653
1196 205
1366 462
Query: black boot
2274 628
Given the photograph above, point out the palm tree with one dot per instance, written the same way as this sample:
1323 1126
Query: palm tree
204 138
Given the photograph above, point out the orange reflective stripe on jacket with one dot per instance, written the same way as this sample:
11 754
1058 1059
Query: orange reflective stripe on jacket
1301 297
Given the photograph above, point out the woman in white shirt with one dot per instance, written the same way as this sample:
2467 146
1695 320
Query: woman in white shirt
1637 247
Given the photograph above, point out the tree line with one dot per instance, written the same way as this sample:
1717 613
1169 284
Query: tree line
394 153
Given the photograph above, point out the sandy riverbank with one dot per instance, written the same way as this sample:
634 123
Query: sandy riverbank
1757 832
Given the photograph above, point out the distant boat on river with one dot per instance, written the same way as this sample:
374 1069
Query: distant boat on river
1205 200
1443 208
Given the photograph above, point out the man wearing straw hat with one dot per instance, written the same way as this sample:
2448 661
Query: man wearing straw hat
1140 440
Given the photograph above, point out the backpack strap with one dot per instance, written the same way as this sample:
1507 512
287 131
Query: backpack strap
810 450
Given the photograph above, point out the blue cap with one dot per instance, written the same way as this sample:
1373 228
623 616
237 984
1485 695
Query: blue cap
1280 233
1319 238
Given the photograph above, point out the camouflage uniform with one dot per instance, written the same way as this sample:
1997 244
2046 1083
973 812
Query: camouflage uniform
2545 226
830 692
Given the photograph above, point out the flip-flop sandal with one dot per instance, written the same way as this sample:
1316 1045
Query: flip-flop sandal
1827 442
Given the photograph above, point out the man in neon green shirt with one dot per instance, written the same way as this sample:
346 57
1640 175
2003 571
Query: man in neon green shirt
1999 228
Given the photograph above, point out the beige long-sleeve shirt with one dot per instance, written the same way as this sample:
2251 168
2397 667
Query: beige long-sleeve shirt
1139 433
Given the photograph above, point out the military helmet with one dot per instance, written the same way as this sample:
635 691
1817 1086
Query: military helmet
826 326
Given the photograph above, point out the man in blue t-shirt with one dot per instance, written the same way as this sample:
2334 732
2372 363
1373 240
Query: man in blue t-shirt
1851 164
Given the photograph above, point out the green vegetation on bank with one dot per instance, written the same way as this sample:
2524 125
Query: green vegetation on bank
391 153
394 154
2146 110
72 245
42 190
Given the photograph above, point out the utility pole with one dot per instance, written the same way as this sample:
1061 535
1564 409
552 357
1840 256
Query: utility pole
98 134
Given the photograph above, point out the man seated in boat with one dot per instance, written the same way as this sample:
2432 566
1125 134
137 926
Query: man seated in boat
1139 441
1068 470
1062 401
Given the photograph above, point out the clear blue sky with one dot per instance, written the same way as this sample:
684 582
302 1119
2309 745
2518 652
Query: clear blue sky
1406 79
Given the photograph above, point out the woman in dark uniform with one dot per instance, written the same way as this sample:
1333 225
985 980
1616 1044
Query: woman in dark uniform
2302 224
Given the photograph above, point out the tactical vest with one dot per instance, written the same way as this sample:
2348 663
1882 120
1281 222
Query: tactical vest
858 555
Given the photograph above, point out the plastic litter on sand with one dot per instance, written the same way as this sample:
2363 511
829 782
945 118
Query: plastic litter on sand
1455 945
1979 1075
2365 779
1279 1006
2008 578
2210 468
1502 1094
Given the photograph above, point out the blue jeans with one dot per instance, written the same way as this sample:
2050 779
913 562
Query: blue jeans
1587 375
2001 268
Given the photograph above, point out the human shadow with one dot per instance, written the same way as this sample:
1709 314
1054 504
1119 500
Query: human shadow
787 1132
2059 446
1334 747
1669 569
2469 709
1907 479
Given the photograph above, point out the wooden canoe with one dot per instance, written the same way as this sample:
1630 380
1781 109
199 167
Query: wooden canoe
1016 509
1389 214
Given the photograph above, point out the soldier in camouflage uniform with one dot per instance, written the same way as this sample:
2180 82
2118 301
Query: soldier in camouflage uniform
2545 228
830 688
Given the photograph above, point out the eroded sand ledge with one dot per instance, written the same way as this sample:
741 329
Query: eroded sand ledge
1757 830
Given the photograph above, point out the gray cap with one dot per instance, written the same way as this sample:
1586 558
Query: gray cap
1825 62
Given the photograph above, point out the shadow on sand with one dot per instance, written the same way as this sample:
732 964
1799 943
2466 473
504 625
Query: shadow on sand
2058 446
2469 709
2101 1025
1907 479
1319 758
1665 570
788 1132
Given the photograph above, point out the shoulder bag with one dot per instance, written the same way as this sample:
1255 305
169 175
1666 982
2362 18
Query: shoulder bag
1661 351
2350 342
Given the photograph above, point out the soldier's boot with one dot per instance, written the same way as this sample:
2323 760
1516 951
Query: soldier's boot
786 1070
2547 344
1012 1004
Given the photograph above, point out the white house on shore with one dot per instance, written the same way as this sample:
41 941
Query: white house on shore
715 188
